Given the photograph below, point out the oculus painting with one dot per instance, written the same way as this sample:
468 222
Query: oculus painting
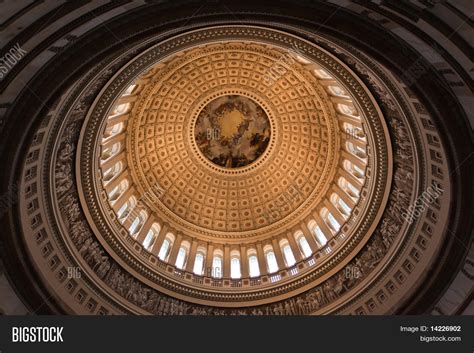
232 131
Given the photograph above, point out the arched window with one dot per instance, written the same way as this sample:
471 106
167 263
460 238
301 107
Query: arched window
289 257
342 207
151 236
337 91
113 171
129 90
138 223
348 188
318 233
356 150
287 253
164 252
199 263
120 109
126 209
334 223
320 236
254 270
272 264
111 151
347 110
113 130
217 265
235 265
354 169
303 244
182 255
117 191
321 73
330 221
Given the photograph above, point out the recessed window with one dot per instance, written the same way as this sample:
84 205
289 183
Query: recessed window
198 263
113 171
333 223
163 254
111 151
356 150
113 130
271 261
117 191
217 267
304 246
322 74
129 90
138 223
337 91
288 254
151 236
318 233
120 109
254 270
343 206
235 267
148 239
347 109
181 258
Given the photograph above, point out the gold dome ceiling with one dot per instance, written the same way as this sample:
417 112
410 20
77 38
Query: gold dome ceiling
299 160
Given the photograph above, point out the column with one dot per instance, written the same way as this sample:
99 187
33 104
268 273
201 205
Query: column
310 237
244 262
226 261
175 249
191 256
209 258
279 256
324 228
335 212
294 247
262 261
142 233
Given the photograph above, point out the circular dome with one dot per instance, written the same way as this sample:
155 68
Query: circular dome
255 149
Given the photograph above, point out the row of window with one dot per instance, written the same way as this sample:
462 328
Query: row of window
331 220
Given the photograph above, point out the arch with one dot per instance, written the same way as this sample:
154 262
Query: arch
330 220
348 188
182 256
337 91
130 90
348 110
120 109
165 248
151 236
318 233
217 263
356 150
254 268
138 222
117 191
272 264
321 73
287 252
341 206
235 270
303 244
113 171
199 260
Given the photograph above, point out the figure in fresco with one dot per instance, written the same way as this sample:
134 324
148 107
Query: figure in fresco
232 131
